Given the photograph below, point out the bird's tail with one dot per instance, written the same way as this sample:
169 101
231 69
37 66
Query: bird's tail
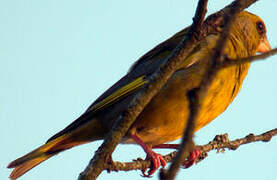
37 156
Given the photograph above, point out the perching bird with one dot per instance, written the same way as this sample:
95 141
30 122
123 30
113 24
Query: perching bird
165 117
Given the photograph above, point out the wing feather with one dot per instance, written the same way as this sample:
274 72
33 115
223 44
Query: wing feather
119 94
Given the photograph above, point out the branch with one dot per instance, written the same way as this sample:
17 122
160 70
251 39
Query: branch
231 62
218 18
199 16
220 142
186 145
122 124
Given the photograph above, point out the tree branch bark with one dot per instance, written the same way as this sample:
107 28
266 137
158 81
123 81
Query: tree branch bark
220 142
230 62
186 145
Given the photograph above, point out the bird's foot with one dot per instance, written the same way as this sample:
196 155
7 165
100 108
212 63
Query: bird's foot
157 161
192 159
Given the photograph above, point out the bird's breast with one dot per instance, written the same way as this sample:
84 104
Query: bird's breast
165 117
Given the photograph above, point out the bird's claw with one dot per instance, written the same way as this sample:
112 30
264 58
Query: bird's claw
157 161
192 158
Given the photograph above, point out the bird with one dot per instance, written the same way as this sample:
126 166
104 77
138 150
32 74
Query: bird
164 118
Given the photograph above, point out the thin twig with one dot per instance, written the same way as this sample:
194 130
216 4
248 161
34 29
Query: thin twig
199 17
231 62
219 143
156 82
187 142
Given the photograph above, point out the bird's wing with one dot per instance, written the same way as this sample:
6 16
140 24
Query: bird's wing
135 78
128 85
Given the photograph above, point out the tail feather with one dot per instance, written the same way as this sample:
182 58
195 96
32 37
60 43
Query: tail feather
92 130
37 156
19 170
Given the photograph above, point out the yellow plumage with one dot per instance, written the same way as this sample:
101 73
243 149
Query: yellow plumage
164 118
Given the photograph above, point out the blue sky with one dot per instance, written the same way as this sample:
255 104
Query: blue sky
57 57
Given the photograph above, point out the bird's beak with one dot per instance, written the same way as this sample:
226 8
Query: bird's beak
264 46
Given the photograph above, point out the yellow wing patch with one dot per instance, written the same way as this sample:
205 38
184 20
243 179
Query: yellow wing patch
122 92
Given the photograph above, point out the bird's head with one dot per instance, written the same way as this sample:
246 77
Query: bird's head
251 30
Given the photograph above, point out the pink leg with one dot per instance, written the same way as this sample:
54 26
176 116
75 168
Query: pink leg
166 146
157 159
189 161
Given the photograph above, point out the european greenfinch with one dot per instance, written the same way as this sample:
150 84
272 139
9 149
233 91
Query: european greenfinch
164 118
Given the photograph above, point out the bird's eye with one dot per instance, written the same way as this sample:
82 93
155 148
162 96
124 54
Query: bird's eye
260 27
